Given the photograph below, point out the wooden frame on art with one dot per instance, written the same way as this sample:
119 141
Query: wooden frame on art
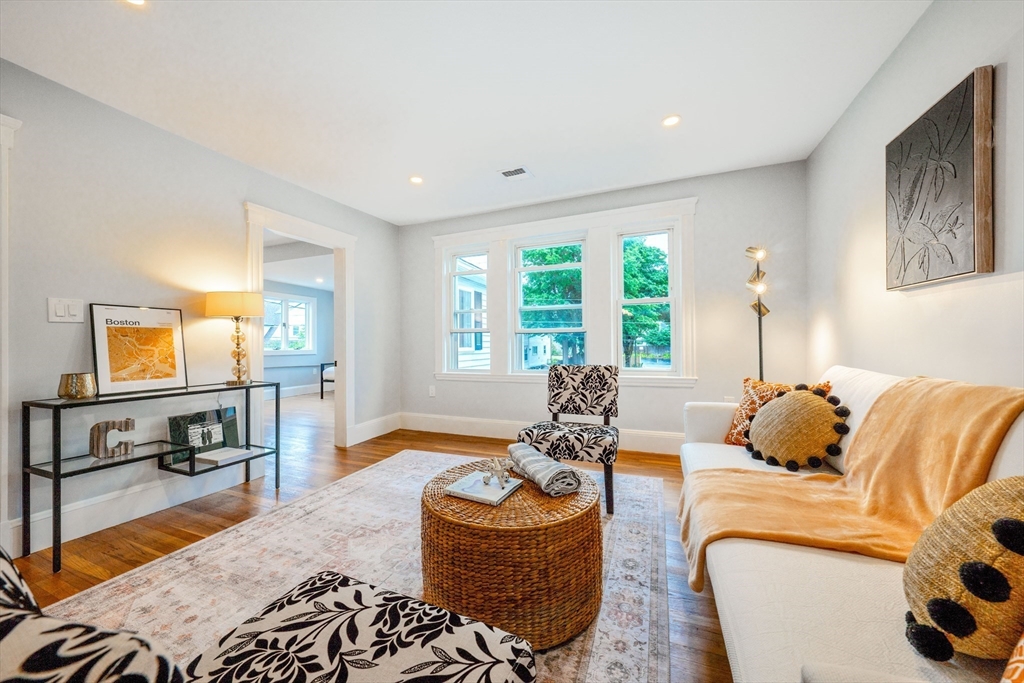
938 217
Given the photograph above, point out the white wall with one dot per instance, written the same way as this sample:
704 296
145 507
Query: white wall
107 208
764 206
971 329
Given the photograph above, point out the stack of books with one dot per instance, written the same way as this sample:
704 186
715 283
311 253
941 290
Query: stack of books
223 456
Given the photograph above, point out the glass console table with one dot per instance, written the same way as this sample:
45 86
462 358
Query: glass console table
59 468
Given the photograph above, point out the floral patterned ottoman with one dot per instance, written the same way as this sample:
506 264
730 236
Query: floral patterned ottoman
334 628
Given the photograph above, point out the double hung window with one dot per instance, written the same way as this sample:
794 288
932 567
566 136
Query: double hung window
613 287
549 321
646 301
289 324
470 345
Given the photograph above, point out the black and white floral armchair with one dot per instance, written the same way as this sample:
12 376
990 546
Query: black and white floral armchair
334 628
35 647
328 628
580 390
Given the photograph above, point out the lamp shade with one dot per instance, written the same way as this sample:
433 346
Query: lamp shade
234 305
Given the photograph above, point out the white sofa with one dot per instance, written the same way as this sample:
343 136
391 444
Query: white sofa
792 613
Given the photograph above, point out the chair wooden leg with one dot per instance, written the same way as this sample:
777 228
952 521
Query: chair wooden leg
609 495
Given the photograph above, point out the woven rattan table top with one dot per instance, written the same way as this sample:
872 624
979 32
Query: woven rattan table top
528 507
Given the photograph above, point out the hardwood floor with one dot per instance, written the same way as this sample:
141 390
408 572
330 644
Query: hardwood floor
312 461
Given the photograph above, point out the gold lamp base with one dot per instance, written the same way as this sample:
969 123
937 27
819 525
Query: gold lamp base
238 353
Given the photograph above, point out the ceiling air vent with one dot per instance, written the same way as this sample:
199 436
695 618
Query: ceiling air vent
516 173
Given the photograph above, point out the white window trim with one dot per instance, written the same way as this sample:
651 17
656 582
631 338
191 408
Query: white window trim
674 230
310 324
446 307
513 271
601 234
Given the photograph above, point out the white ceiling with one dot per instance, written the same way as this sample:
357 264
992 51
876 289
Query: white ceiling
273 239
303 272
350 99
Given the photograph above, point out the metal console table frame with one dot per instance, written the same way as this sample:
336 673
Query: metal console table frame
163 451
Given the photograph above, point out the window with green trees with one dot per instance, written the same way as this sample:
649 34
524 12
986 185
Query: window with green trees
646 304
549 317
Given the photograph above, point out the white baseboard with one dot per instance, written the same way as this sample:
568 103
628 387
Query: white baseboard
115 507
364 431
629 439
297 391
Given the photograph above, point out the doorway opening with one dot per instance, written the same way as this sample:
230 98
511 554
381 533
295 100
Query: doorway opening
307 323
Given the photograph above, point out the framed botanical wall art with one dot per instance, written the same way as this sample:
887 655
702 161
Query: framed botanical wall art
938 217
136 348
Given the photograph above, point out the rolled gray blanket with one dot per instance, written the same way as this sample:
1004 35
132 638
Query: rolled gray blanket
553 478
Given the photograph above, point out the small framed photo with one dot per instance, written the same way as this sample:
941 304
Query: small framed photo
136 348
206 431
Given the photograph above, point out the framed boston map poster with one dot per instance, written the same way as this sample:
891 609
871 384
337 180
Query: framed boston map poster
136 348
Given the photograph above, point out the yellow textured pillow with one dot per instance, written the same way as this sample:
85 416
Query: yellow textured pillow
964 579
798 428
755 395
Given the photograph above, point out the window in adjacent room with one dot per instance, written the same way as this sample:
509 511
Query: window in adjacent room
646 302
549 319
470 347
289 324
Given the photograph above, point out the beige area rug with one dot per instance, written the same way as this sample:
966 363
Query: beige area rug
367 526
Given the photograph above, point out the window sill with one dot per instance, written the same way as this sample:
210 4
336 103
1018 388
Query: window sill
542 378
641 381
288 353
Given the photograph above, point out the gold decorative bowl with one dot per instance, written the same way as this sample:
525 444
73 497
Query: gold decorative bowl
77 385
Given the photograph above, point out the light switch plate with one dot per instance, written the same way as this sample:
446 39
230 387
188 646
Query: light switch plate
65 310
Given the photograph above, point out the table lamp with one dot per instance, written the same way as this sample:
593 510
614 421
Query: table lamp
235 305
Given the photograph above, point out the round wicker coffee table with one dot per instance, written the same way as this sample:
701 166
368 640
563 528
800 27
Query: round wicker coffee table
530 566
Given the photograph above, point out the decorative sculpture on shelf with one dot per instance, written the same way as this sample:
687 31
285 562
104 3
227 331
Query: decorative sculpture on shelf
98 447
497 468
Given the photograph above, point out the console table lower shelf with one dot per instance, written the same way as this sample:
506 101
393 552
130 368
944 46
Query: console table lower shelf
164 452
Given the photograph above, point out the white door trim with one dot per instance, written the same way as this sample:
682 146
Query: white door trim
7 128
258 218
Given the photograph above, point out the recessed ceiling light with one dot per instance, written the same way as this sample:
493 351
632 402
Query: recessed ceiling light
319 279
672 120
136 2
415 180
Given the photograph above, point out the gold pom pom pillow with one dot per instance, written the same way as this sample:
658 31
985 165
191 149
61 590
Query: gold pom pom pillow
755 395
798 428
964 579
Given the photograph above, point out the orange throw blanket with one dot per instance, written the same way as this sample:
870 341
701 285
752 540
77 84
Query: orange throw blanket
923 445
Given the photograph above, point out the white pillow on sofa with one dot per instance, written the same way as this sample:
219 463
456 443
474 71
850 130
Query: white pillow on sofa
858 390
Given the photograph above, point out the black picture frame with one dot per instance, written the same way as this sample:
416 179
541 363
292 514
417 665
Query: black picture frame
180 430
143 318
